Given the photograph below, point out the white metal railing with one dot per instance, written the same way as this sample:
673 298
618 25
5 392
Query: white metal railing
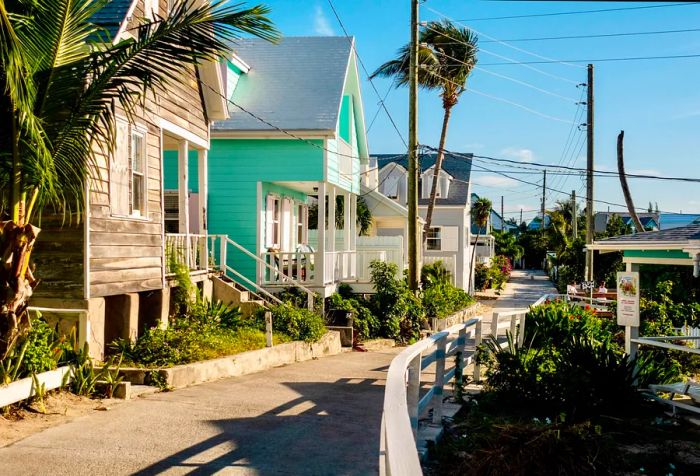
225 241
189 249
340 266
402 401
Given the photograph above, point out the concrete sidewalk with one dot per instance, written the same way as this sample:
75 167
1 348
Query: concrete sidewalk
317 417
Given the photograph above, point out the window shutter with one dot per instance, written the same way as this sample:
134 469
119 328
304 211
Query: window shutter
286 225
119 175
269 210
450 238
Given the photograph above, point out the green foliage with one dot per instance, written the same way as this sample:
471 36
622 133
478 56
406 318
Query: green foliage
365 323
442 300
299 324
435 274
399 310
481 277
506 244
499 272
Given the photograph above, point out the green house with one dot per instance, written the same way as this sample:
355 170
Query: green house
293 149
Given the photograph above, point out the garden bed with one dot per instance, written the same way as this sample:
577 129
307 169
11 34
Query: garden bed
24 389
439 324
235 365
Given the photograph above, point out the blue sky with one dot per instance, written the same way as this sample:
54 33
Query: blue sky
657 103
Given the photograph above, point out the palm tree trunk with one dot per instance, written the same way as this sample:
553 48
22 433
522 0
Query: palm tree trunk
16 242
471 268
438 166
623 183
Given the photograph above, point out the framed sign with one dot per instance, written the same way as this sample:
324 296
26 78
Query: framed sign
628 299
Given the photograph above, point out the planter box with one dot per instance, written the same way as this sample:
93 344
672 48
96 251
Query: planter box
24 388
456 318
239 364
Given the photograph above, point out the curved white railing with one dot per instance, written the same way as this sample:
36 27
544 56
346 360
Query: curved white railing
402 405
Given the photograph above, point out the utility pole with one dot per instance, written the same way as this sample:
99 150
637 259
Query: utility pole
574 215
544 191
503 217
412 152
589 175
521 217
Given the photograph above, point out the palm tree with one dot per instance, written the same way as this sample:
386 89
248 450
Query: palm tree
480 214
59 80
446 59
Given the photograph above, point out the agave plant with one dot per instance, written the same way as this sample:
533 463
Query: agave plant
60 75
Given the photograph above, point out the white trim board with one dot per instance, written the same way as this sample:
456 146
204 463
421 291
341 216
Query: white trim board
670 261
183 134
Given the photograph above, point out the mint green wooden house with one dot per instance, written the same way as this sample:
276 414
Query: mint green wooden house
294 142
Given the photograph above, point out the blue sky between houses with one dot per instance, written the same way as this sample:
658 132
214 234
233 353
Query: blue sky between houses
657 103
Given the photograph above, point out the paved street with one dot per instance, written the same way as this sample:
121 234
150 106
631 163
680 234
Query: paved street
316 417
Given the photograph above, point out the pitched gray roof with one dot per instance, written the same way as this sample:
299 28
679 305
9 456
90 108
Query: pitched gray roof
296 84
679 235
111 16
457 166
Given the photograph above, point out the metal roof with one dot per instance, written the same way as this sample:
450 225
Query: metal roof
296 84
680 236
458 167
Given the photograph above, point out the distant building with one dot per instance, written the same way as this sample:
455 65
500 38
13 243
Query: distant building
536 223
650 221
676 220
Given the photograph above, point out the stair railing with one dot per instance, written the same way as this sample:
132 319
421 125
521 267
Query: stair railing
225 240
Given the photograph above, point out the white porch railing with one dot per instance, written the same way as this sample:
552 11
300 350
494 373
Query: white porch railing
280 265
340 266
189 249
402 401
364 259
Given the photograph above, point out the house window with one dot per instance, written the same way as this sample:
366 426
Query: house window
434 239
273 221
391 187
302 224
138 173
127 171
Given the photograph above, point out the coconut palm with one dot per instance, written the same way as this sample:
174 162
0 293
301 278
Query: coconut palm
480 214
60 76
446 59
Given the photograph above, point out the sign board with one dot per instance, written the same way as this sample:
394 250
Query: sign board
587 285
628 299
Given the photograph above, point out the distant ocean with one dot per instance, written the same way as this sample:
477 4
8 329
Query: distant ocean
674 220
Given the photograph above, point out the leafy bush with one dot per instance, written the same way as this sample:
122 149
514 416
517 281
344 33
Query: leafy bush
499 271
481 277
365 323
444 299
435 274
400 312
299 324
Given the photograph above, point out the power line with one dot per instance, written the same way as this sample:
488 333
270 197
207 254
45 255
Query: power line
516 48
599 60
601 35
369 78
581 12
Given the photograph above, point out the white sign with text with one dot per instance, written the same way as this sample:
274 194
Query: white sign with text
628 299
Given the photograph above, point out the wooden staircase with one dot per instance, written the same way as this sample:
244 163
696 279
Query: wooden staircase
230 292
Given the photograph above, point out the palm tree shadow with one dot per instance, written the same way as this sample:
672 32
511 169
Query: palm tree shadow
331 428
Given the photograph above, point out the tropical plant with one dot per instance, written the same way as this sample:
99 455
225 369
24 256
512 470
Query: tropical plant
446 58
506 244
60 79
480 214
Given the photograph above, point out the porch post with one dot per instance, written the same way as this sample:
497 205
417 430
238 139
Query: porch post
320 267
331 232
183 187
203 178
347 221
184 198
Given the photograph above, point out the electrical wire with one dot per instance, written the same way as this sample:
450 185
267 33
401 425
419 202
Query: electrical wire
582 12
601 35
599 60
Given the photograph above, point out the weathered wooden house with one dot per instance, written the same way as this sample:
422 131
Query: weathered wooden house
106 271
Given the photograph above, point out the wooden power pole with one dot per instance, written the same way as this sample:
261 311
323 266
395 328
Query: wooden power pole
589 174
413 270
544 192
574 215
503 217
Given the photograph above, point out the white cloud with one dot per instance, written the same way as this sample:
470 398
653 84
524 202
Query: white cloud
521 154
321 24
494 181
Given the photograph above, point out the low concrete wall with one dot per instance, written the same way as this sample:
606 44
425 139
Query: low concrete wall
23 389
240 364
456 318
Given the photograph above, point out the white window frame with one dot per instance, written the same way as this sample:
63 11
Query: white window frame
140 132
302 231
436 238
273 225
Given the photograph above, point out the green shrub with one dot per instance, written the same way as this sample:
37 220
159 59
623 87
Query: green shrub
499 271
299 324
435 274
365 323
444 299
481 277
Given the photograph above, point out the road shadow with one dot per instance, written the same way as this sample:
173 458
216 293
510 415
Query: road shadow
330 429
